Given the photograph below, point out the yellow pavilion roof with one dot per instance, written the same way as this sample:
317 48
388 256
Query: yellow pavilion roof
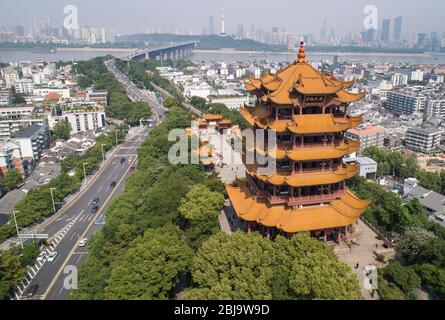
337 175
299 78
313 153
300 124
340 213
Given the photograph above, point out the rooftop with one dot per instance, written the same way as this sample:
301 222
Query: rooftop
29 131
367 130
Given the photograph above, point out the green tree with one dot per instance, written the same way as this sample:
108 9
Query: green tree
404 277
11 272
201 207
248 266
234 266
433 278
62 130
413 242
151 267
201 203
29 255
11 180
198 102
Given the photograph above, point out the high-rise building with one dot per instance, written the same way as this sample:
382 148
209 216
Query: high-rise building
324 31
417 75
399 79
305 189
291 41
397 35
384 36
240 31
211 25
223 25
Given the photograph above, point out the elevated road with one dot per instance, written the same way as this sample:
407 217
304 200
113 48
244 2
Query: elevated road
174 51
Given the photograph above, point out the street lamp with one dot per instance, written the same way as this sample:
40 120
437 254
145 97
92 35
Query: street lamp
52 198
84 172
117 139
17 227
103 153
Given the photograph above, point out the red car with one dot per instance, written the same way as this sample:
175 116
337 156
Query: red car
132 169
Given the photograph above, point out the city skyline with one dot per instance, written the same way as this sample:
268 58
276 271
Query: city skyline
141 16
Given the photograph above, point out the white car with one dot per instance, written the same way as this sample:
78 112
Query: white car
41 256
83 242
52 256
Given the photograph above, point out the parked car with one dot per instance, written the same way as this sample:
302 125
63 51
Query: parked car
52 256
41 256
83 242
132 169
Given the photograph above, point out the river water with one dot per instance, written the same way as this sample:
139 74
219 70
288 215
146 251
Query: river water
227 56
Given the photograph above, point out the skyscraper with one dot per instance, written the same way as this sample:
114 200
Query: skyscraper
384 35
324 31
223 26
240 31
398 29
211 25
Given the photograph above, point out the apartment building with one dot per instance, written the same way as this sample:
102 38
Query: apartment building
424 139
405 102
10 158
368 136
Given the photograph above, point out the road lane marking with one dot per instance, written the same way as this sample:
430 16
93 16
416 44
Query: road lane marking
99 212
89 185
73 236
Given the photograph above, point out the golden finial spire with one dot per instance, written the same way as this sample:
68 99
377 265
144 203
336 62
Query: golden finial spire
301 52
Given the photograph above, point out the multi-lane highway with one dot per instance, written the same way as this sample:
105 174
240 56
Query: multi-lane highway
77 220
136 94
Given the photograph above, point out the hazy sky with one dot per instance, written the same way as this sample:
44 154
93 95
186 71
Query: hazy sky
294 15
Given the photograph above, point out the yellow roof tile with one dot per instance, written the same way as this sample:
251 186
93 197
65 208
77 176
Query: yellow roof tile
339 213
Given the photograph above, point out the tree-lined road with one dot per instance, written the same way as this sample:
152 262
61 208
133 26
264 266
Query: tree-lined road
78 220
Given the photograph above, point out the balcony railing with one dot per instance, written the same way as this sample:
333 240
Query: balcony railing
303 200
295 201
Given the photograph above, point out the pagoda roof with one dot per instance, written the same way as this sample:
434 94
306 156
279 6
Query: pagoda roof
309 179
299 78
340 213
312 153
300 124
212 117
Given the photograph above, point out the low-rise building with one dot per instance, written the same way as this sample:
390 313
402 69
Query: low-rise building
425 139
435 108
368 136
82 116
8 127
25 86
432 202
16 111
44 91
32 141
232 102
405 102
10 158
5 97
99 96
